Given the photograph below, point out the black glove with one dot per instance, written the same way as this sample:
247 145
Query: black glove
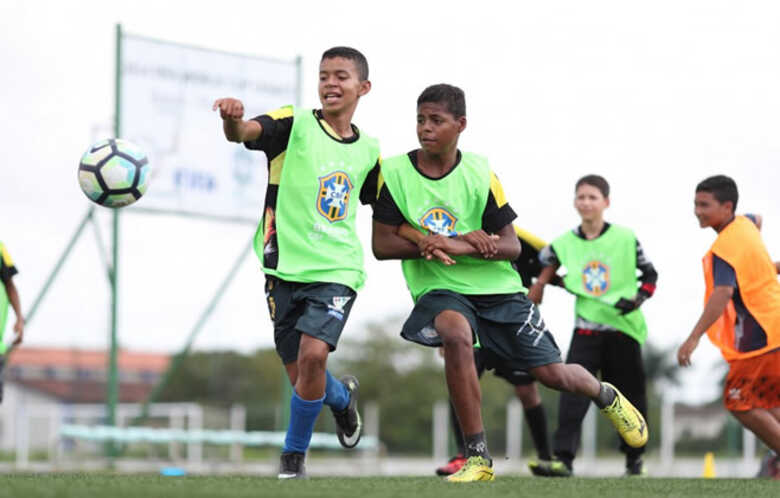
627 305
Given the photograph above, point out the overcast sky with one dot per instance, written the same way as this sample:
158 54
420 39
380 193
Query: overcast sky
654 96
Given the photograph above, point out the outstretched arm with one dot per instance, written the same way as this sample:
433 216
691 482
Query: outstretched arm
236 129
716 305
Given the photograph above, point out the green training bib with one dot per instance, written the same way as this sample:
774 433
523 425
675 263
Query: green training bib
319 193
599 272
450 205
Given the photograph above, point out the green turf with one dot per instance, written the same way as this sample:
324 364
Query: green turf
120 486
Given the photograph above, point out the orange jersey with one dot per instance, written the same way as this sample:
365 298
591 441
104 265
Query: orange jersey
740 245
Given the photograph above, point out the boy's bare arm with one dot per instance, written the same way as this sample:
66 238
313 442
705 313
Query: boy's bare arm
536 292
236 129
716 305
387 243
13 298
506 245
777 267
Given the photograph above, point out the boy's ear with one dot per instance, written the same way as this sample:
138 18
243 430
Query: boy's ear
606 202
365 87
461 124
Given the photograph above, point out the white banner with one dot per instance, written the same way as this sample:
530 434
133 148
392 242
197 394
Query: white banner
166 95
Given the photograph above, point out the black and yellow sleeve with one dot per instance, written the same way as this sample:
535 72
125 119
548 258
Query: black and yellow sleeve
498 213
7 268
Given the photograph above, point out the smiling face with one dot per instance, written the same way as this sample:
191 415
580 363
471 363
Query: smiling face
437 128
710 212
590 202
340 86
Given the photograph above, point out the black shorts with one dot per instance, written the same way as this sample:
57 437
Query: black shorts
508 327
317 309
514 377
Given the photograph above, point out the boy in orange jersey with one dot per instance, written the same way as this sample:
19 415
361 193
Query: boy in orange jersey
742 310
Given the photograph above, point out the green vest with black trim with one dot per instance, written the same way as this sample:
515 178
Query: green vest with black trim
3 307
599 272
319 193
448 206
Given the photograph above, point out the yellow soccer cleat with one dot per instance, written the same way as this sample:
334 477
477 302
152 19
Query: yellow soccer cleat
629 423
476 468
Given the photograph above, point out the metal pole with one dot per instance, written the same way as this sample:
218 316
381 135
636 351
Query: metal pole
28 316
112 387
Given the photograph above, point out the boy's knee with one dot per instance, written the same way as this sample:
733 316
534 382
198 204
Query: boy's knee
312 359
528 395
454 330
553 376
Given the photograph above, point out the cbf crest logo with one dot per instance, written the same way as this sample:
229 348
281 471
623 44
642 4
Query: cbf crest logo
333 198
439 221
595 278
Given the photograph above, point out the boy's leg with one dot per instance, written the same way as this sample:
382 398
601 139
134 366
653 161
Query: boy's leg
309 392
535 417
461 375
308 320
459 459
444 318
585 349
750 394
623 367
764 424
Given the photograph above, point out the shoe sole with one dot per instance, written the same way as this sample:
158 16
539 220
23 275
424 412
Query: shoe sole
350 442
483 475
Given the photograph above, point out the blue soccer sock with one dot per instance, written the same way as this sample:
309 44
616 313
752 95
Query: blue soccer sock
303 414
336 394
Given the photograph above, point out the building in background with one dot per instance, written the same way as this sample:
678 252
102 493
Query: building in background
39 382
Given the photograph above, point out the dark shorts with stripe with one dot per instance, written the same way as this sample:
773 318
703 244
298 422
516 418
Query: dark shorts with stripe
514 377
318 309
509 328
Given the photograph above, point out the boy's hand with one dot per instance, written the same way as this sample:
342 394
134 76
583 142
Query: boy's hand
628 305
229 108
441 256
686 350
482 242
19 331
536 293
434 242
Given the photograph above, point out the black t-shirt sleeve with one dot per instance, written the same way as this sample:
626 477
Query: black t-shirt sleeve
7 268
498 213
368 193
723 273
276 134
494 218
386 211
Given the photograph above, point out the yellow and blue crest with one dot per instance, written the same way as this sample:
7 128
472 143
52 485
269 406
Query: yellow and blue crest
333 198
595 278
439 221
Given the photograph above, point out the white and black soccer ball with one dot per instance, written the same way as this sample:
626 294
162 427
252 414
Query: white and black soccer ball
114 173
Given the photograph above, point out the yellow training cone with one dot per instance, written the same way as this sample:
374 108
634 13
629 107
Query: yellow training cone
709 465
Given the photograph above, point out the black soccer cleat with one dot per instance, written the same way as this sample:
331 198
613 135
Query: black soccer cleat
349 426
291 466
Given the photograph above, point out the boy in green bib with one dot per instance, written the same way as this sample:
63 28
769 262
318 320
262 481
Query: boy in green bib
461 278
601 261
8 295
320 166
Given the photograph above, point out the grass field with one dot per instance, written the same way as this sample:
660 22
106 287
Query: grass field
148 486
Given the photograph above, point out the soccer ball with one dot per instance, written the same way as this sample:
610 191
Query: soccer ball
114 173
